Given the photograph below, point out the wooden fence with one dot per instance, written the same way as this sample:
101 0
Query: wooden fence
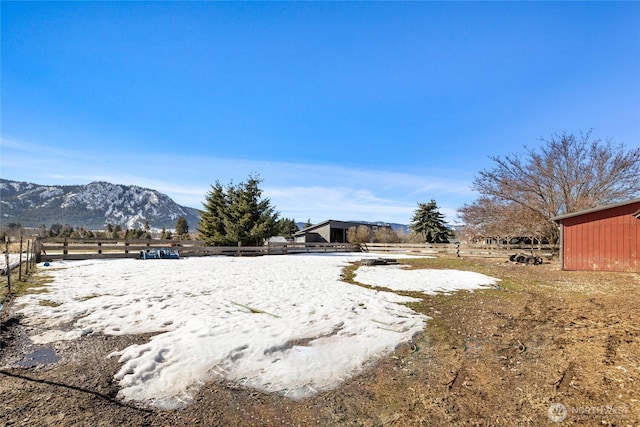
461 250
18 254
77 249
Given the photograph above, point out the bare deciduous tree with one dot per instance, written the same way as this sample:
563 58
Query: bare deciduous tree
360 234
483 218
386 235
491 218
567 174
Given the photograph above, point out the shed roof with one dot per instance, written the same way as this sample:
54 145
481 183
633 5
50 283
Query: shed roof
334 222
596 209
312 227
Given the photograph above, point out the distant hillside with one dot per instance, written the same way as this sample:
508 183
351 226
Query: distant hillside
91 206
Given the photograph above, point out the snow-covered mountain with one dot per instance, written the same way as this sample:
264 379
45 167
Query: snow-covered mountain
91 206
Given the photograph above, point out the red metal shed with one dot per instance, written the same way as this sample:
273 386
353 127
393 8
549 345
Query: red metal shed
605 238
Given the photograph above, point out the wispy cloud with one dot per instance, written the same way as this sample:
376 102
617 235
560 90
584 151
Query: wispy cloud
36 150
298 190
318 203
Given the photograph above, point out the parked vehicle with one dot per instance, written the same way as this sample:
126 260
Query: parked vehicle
160 253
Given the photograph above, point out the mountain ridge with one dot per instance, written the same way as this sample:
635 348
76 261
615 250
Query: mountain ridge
91 206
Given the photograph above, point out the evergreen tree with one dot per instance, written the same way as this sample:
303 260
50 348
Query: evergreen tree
430 224
165 234
211 227
236 213
66 231
182 226
137 233
287 227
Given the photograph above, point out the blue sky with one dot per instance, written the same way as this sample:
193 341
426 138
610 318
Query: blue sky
356 110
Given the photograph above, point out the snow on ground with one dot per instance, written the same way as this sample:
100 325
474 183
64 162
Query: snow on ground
14 261
12 258
284 324
399 278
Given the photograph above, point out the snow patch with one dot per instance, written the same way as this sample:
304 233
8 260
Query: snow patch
283 324
399 278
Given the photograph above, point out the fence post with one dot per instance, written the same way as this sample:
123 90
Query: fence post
26 268
37 249
20 262
6 257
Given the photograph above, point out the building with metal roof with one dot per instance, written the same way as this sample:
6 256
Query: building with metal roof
331 231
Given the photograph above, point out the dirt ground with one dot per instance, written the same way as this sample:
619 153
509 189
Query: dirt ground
544 348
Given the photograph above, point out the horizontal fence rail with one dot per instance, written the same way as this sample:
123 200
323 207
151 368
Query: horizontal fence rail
78 249
18 254
461 250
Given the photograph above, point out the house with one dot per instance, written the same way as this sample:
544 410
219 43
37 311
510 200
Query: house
605 238
330 231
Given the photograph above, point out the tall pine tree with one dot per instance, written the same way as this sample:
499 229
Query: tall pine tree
287 227
429 222
237 213
182 226
211 224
